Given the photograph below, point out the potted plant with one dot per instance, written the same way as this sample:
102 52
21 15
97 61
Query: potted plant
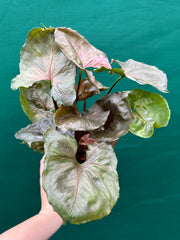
80 176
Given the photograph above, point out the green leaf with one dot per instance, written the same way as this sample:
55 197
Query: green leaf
86 89
119 71
76 48
144 74
36 101
79 192
150 110
119 119
69 118
32 135
41 59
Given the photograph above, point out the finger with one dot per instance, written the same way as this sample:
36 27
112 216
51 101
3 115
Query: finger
42 165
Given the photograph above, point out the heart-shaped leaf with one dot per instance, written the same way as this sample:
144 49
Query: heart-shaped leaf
42 59
79 192
119 119
36 101
86 89
69 118
76 48
150 110
144 74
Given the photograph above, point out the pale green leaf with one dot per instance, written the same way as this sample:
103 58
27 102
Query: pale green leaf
144 74
150 110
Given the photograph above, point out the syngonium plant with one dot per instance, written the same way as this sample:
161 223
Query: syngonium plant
80 176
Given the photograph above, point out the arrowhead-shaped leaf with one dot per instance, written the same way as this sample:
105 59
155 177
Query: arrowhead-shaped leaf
76 48
79 192
119 119
36 101
42 59
150 110
69 118
144 74
87 90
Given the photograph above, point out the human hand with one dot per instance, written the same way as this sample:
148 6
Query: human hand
39 227
45 206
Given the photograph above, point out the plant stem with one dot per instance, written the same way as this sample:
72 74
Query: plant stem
55 104
56 108
78 85
84 106
113 85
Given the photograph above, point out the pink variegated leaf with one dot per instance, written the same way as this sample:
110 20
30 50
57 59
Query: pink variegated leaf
76 48
85 140
41 59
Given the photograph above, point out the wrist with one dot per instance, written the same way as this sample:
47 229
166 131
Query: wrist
46 208
50 213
